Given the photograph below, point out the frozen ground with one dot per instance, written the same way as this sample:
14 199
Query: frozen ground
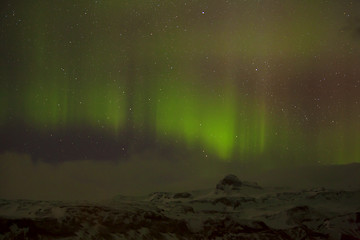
230 210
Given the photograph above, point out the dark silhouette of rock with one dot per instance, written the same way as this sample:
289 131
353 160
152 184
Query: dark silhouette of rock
182 195
229 182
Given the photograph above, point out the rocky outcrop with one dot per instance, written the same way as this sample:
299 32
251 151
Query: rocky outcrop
182 195
230 182
236 210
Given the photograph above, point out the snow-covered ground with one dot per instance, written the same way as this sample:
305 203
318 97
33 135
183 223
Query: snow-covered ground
231 210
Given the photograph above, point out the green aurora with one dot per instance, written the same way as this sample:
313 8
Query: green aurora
235 80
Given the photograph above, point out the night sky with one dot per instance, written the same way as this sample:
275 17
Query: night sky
264 82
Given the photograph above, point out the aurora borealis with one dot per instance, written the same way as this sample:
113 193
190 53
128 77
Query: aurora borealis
271 82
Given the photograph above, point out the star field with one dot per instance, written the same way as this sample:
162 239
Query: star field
270 82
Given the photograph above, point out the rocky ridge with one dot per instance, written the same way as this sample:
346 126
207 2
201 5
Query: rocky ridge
234 209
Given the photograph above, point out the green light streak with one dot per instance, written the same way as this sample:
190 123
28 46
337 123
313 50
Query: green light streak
46 104
338 144
103 106
219 126
210 120
3 106
176 112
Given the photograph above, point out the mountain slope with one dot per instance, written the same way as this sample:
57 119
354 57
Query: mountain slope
234 209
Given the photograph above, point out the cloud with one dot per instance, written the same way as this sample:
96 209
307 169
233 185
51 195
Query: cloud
22 178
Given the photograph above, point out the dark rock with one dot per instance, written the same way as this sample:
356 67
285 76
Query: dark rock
226 201
357 217
182 195
158 196
347 237
230 181
184 209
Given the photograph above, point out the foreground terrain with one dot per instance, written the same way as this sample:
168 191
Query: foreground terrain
231 210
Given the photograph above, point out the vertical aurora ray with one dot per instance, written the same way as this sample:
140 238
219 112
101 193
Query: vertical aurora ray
251 136
219 124
103 105
212 121
339 144
143 105
176 111
3 106
46 103
46 89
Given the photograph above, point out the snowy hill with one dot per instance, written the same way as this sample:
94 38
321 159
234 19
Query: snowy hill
233 209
